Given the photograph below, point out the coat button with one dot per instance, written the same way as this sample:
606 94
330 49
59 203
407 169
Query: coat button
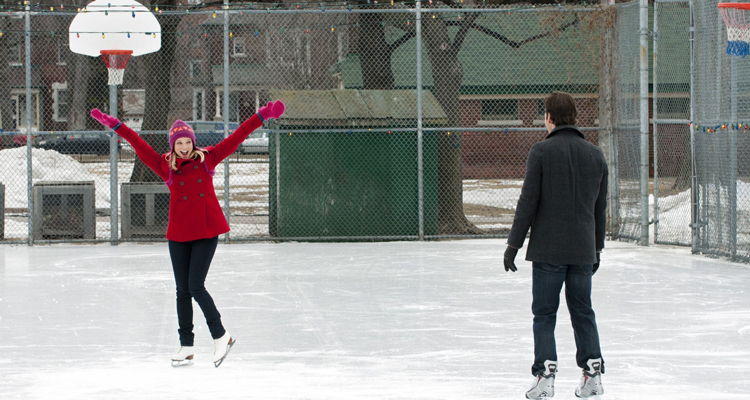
182 183
179 171
201 194
195 167
184 197
199 181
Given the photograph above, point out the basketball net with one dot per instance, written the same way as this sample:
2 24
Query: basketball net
737 18
116 60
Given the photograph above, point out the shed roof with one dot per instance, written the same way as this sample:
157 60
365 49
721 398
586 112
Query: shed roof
354 107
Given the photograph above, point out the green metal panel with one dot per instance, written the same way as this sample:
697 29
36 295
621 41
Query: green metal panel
350 184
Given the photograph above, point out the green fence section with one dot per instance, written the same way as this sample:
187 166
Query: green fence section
358 183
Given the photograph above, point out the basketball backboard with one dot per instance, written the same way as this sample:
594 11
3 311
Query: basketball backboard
114 25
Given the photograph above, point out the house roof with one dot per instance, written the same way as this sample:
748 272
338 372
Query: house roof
352 107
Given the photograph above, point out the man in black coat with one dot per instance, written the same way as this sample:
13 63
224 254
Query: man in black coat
563 201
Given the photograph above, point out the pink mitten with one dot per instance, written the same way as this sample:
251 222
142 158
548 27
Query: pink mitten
271 110
106 120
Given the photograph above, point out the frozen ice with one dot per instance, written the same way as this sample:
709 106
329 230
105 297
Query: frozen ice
391 320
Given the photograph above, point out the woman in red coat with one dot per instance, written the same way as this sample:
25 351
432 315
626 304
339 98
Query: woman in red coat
195 217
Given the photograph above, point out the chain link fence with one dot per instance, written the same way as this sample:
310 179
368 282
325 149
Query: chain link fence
721 110
671 161
625 191
371 146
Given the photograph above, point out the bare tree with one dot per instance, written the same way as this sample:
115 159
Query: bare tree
159 66
447 73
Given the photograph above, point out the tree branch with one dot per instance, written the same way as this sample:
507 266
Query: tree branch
467 24
403 39
509 42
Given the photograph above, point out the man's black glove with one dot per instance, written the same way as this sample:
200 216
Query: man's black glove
596 266
509 259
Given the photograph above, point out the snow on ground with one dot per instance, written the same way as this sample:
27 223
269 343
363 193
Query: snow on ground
391 320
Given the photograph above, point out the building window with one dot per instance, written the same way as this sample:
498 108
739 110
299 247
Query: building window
238 47
62 51
14 55
199 105
195 68
500 112
673 107
500 109
18 101
540 111
61 102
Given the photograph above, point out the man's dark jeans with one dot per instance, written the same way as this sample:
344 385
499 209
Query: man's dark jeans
190 262
548 280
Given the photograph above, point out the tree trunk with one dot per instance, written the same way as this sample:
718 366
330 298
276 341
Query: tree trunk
447 73
78 75
374 53
158 95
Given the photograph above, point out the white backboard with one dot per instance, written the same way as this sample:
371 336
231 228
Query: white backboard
114 25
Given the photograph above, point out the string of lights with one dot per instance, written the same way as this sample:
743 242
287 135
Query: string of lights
207 32
45 8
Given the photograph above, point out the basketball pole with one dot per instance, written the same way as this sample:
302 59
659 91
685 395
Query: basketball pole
113 201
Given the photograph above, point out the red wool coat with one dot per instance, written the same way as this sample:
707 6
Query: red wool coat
194 210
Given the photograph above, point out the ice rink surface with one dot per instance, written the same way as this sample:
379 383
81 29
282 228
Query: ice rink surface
397 320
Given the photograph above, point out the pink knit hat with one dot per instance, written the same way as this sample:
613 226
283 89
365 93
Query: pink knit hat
180 130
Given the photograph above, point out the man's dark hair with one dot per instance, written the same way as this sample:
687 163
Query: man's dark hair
561 108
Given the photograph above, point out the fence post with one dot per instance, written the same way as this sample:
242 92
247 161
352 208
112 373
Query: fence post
693 172
420 154
113 201
732 189
226 112
29 181
606 136
644 120
654 107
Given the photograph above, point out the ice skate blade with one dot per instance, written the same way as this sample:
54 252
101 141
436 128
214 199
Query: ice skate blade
591 397
184 363
229 347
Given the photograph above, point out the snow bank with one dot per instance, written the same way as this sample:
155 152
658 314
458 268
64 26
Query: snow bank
47 165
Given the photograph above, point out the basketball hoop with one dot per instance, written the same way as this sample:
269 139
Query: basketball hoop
116 60
737 18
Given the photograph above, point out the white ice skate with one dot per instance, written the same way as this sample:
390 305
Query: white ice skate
183 357
544 384
222 346
591 381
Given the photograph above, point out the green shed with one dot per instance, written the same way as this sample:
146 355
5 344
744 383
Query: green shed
343 163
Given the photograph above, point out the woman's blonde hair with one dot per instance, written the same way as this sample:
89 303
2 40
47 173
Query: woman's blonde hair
194 154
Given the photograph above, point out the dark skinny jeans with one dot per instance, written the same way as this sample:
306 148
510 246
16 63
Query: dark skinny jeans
190 262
